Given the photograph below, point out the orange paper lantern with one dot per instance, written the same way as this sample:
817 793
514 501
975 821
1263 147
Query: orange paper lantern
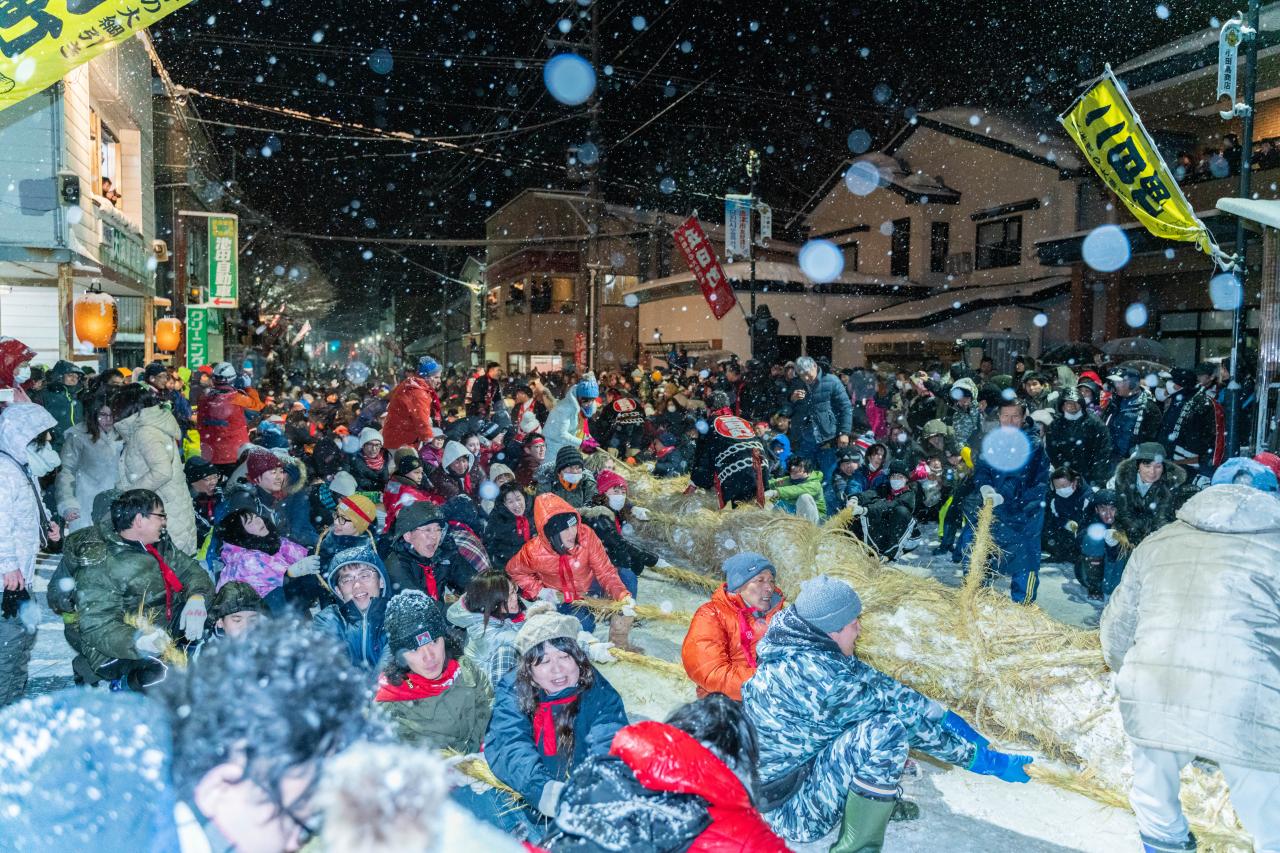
94 315
168 334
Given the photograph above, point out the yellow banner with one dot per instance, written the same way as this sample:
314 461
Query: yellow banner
1103 123
41 40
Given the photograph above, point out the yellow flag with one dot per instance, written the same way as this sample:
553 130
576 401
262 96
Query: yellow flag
41 40
1107 129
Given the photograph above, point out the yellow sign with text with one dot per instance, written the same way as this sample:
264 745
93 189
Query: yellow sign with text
41 40
1103 123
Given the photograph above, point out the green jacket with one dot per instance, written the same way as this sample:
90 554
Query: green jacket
456 719
811 485
60 401
120 578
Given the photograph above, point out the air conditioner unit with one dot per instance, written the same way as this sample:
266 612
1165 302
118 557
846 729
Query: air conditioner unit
959 263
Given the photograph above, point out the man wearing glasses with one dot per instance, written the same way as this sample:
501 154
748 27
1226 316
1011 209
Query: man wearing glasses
138 593
358 578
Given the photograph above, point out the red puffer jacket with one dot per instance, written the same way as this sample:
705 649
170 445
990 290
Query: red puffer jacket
223 429
663 758
413 409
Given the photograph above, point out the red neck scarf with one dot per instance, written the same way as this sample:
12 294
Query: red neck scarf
544 724
746 633
567 584
415 686
377 463
170 578
429 579
522 527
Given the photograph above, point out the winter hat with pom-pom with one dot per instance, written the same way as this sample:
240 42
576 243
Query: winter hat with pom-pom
543 622
343 483
413 620
587 387
428 366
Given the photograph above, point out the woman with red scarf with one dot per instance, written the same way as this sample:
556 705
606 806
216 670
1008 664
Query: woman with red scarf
510 525
719 652
549 715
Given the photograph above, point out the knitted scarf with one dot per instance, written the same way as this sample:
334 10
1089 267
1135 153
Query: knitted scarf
522 527
415 686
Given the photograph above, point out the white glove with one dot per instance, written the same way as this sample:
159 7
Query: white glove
599 652
649 466
639 513
1111 538
551 595
989 493
858 509
153 643
628 606
770 494
550 798
308 565
192 619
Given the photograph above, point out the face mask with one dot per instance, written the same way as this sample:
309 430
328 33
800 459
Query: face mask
617 502
1073 417
671 408
23 374
589 409
897 483
1065 493
569 478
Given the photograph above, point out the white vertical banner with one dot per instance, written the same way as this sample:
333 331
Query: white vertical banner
737 226
766 224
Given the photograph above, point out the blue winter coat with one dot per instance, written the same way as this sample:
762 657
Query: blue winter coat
824 413
806 693
363 633
519 762
1024 489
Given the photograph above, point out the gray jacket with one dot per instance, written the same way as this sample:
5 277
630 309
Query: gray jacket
824 413
1193 631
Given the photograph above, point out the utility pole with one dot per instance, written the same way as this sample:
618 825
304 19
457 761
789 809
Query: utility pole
1246 191
753 171
593 194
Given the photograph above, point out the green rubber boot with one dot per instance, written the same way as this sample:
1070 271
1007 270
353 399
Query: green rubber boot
863 826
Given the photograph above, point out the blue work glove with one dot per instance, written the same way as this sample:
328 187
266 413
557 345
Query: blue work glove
1010 768
961 728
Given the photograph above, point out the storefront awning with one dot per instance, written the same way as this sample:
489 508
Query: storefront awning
917 313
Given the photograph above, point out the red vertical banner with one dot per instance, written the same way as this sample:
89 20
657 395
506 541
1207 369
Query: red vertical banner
580 351
692 242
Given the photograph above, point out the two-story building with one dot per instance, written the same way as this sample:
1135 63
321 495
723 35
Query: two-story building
953 204
77 206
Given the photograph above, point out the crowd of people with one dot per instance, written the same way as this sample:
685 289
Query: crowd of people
441 545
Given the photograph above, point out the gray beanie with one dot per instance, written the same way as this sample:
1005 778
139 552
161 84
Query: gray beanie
741 568
827 604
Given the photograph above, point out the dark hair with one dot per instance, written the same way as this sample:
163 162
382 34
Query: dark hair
506 489
131 399
93 399
1064 472
395 670
488 594
280 699
721 725
796 461
132 504
527 691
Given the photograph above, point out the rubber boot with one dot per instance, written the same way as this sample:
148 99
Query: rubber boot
620 633
863 825
1093 571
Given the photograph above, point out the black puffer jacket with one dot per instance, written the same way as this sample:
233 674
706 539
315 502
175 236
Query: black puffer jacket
367 479
502 538
621 553
1137 515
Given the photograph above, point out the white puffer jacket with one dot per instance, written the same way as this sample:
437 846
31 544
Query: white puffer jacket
20 513
1193 631
88 468
151 460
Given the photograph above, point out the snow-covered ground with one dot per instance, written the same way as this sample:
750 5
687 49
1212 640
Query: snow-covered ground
960 811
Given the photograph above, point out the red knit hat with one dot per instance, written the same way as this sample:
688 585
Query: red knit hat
608 479
260 462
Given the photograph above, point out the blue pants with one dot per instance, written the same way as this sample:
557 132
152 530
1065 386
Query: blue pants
496 809
1021 562
584 615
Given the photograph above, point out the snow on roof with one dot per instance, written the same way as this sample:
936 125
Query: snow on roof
1269 20
1040 137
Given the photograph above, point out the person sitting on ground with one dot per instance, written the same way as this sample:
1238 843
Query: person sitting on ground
846 482
432 452
686 784
139 570
204 482
607 516
372 465
800 492
405 487
253 551
359 579
668 459
566 562
889 509
352 521
569 479
835 732
532 457
510 525
425 554
719 651
233 612
79 549
491 613
454 476
1101 561
550 714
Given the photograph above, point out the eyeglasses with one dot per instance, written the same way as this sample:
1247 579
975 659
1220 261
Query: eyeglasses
357 577
156 514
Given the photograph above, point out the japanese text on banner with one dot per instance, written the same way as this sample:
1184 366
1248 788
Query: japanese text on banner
1107 129
701 258
41 40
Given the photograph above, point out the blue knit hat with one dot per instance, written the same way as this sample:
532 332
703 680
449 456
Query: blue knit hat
428 366
587 387
827 604
741 568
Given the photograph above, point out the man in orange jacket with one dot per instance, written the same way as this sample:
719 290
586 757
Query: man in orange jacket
566 562
719 652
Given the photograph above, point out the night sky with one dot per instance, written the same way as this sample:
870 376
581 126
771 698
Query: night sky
796 80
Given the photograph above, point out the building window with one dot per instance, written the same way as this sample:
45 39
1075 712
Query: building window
1194 336
106 160
999 243
616 287
850 252
900 248
939 246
